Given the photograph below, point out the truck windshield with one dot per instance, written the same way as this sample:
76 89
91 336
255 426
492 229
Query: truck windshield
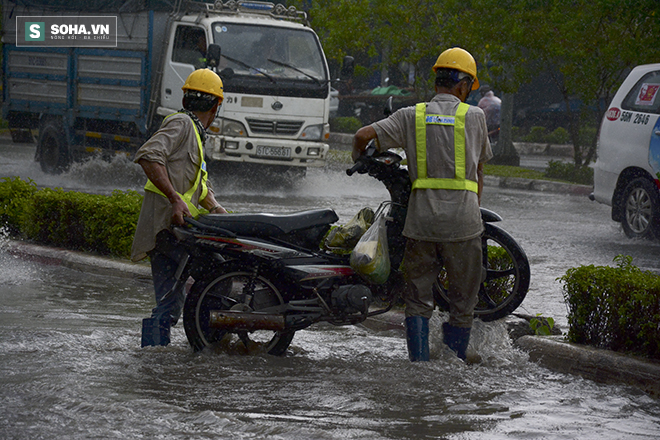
271 60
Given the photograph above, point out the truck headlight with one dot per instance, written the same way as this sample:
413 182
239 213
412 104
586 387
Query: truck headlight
312 133
228 127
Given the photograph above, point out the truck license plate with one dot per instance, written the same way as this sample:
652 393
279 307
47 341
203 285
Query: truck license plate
266 151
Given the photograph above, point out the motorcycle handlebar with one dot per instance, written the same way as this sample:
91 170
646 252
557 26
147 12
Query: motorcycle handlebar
360 165
357 167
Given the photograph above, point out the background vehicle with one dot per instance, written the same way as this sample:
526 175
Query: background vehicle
260 277
627 172
82 100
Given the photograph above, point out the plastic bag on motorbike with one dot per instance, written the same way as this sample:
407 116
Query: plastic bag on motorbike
346 237
370 257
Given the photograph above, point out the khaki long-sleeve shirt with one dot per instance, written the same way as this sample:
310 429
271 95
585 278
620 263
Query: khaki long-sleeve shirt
175 147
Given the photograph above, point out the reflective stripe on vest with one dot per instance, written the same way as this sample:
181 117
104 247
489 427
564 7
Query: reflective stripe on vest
200 177
459 182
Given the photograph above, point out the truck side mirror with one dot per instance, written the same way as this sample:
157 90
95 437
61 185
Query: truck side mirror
347 68
213 56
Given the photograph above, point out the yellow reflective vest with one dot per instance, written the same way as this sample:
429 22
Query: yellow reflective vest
200 179
459 181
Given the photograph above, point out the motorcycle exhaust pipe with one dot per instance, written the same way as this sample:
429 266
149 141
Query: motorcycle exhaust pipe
235 320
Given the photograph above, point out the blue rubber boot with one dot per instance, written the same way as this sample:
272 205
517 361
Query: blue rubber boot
417 337
156 331
456 338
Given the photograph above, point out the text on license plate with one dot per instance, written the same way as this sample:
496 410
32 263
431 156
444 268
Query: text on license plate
273 151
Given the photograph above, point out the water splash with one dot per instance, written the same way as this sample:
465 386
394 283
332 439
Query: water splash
14 271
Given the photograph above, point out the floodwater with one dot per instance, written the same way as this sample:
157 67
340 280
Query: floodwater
71 365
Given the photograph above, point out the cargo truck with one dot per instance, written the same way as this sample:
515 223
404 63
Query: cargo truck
109 100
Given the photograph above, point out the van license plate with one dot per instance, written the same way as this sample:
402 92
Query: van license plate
265 151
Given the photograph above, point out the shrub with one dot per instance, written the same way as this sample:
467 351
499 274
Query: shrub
558 136
344 124
617 308
536 134
80 221
15 196
587 135
90 222
569 172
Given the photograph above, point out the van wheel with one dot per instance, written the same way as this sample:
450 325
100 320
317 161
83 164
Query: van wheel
52 148
641 211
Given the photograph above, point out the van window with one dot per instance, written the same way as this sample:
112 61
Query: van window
189 46
645 96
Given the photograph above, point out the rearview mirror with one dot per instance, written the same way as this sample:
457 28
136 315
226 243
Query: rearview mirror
213 56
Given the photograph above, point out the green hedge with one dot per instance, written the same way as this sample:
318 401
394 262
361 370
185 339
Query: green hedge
73 220
345 124
616 308
569 172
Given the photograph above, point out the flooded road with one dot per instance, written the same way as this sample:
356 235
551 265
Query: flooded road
71 366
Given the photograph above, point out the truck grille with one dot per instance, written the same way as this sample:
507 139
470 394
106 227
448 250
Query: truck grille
279 128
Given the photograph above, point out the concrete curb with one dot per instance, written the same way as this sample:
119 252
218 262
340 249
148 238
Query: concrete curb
538 185
78 260
591 363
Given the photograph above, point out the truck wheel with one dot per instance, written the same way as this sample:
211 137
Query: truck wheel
52 148
641 210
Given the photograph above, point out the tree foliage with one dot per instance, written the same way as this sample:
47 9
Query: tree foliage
587 46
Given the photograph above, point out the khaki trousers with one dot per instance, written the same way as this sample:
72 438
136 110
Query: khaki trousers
423 261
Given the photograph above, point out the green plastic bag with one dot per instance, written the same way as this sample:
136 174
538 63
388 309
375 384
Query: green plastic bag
346 237
370 257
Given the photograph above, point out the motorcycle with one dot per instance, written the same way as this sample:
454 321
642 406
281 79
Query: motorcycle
259 278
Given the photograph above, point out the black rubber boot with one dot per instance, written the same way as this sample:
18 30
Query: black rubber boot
417 337
456 338
156 331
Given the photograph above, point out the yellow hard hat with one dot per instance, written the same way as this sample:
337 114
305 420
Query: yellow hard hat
458 59
206 81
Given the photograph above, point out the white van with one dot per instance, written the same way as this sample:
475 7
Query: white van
627 172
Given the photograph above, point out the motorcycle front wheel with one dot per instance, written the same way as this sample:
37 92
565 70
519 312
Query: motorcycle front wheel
507 278
233 286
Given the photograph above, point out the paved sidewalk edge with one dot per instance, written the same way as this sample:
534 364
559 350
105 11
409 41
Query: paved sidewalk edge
78 260
538 185
591 363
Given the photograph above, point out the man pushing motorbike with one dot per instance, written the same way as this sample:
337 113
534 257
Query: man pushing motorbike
173 160
446 143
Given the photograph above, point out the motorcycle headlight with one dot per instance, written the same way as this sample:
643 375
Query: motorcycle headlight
315 132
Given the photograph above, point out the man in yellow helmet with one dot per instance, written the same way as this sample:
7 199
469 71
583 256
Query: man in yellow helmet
446 142
173 160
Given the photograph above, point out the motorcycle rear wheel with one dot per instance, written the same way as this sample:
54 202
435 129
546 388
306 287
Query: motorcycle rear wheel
507 279
233 287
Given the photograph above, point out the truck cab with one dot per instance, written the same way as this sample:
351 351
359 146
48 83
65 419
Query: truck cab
276 84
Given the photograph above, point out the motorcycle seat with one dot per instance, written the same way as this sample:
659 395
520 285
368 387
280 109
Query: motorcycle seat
271 225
